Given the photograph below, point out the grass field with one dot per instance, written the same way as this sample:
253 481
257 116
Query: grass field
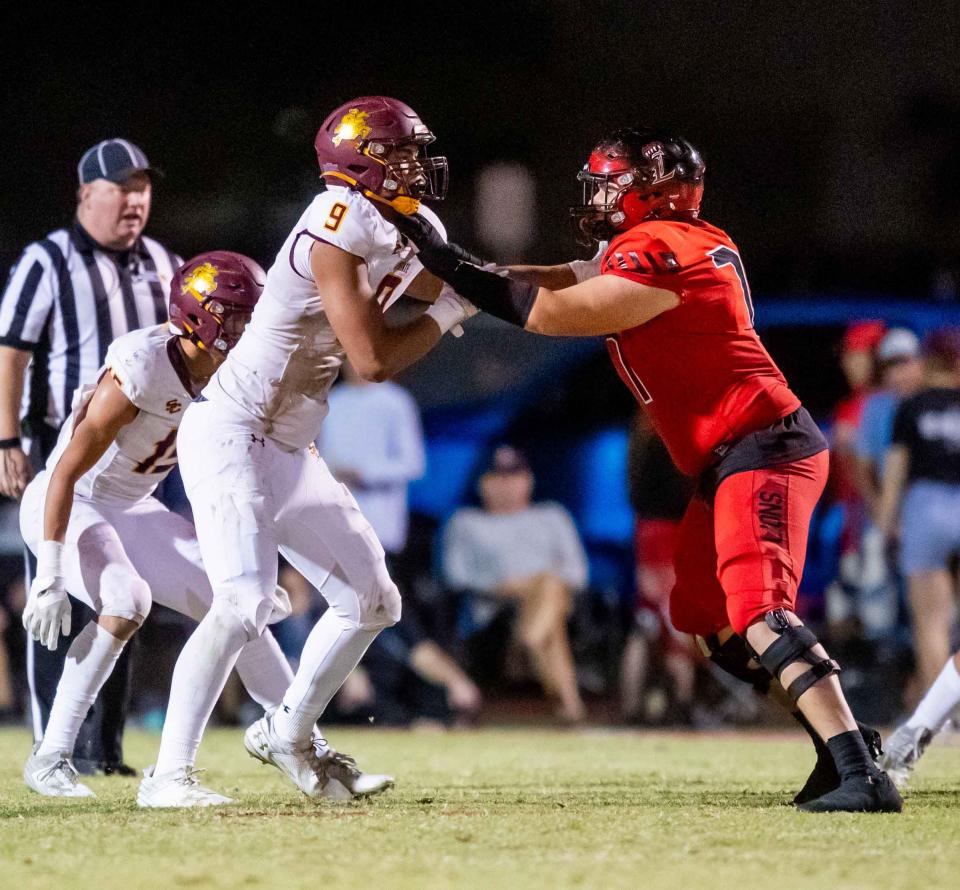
524 809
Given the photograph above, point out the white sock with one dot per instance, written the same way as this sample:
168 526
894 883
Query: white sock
940 700
264 671
333 649
90 660
198 679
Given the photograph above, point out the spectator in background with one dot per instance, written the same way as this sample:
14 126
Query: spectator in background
920 498
876 602
658 494
373 443
513 550
858 361
407 679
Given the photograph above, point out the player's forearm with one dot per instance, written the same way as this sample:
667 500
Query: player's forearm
58 504
551 277
13 366
392 350
88 445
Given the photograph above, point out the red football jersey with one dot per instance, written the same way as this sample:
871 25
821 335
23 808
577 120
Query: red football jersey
699 370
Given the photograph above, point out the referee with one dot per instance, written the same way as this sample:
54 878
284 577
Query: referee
68 297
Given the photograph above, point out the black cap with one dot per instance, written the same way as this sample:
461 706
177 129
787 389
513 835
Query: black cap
112 159
507 459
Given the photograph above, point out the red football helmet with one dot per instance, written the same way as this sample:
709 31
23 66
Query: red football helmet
637 174
362 143
212 298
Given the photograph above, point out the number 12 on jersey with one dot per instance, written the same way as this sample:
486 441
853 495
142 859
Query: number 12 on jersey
725 256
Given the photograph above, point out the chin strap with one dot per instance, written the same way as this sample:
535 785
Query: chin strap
404 204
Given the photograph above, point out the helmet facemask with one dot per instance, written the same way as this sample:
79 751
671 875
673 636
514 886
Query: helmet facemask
634 175
601 213
409 171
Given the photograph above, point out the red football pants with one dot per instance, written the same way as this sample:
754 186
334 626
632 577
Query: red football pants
742 556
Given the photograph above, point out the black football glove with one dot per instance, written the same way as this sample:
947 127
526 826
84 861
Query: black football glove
507 298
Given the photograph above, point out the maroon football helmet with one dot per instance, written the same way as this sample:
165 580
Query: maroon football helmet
378 145
212 298
637 174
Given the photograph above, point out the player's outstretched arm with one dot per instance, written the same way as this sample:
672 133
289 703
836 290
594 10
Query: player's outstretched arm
601 305
103 416
46 614
376 351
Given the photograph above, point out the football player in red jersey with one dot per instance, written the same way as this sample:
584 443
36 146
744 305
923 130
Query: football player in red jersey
673 301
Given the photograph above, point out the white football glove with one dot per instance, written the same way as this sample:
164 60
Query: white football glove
47 613
450 310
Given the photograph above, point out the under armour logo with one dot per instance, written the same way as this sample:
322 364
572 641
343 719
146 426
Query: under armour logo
173 406
258 439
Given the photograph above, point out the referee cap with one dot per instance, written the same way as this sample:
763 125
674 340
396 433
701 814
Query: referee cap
112 159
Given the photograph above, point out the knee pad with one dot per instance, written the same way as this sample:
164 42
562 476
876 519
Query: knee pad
735 657
382 609
131 600
249 604
234 622
794 644
372 609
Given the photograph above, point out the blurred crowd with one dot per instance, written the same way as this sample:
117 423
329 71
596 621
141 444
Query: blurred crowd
501 621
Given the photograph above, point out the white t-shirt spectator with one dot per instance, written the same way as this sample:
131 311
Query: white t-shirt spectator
373 431
483 550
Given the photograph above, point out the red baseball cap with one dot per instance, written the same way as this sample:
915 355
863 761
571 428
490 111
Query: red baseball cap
863 336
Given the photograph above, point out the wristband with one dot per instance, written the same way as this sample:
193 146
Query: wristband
49 559
509 299
13 442
584 269
446 313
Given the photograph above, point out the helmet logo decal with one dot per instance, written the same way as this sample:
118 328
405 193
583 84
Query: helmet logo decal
201 282
353 125
654 153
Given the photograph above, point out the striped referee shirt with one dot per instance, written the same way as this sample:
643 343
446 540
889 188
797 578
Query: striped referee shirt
66 300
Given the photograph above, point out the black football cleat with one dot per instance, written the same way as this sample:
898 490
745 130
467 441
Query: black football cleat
825 777
117 769
873 793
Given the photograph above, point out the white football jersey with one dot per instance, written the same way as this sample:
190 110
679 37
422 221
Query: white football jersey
145 450
282 369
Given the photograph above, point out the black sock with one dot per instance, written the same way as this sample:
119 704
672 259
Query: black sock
850 754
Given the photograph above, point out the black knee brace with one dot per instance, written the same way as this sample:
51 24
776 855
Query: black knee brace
734 657
794 644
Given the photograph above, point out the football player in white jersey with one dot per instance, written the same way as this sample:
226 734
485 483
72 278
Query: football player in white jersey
256 485
98 532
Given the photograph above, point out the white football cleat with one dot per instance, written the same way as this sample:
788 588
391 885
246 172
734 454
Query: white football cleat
54 775
344 768
302 766
903 749
180 788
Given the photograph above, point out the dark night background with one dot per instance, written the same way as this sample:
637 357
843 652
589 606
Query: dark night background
831 130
